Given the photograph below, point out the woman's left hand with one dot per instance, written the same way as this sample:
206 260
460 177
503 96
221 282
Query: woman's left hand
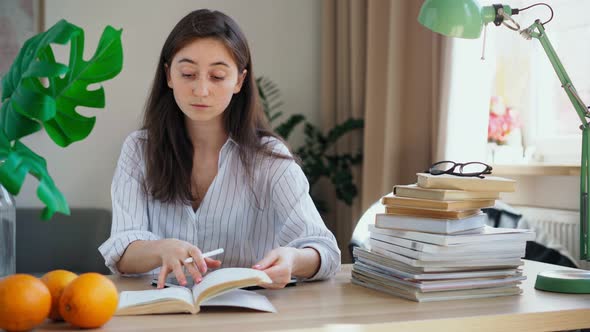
278 265
281 263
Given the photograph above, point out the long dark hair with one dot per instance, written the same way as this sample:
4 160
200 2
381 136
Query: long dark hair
169 151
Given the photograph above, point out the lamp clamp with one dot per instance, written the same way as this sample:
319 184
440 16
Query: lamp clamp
499 10
527 33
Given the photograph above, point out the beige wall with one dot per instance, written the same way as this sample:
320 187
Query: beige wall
558 192
284 38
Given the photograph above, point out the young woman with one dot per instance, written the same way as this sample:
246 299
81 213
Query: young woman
207 172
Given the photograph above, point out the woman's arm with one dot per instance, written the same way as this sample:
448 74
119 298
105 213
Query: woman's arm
308 249
130 221
140 257
306 264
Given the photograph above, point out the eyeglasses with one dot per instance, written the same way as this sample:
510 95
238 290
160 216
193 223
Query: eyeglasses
474 168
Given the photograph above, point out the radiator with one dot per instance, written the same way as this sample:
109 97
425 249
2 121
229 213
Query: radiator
556 229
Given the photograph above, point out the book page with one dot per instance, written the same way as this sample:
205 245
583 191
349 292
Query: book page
242 299
222 280
133 298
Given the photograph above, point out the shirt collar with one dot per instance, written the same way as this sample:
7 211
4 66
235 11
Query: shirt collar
225 151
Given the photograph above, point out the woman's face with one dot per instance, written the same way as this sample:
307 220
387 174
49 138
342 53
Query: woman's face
204 77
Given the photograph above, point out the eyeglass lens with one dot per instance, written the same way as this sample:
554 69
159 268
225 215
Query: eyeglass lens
441 167
473 168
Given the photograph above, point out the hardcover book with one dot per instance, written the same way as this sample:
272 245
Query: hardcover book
413 191
395 201
429 213
446 181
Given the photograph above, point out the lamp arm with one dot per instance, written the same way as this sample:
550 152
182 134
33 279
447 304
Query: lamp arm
537 31
584 197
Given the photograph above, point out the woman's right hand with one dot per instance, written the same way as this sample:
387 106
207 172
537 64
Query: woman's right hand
173 252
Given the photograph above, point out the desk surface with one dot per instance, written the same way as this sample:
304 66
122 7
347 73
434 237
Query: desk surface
326 305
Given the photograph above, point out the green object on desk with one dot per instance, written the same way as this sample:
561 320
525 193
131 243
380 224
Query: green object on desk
465 19
564 281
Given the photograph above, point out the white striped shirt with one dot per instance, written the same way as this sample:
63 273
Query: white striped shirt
246 219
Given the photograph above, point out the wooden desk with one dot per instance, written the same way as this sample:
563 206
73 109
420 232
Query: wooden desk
325 306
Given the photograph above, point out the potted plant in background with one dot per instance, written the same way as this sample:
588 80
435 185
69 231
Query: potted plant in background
316 159
40 93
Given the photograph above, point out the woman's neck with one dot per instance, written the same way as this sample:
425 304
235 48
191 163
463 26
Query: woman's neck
206 137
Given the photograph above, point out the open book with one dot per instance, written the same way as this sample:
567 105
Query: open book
217 288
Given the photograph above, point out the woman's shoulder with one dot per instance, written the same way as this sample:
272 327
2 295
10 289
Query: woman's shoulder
275 145
137 136
133 145
279 160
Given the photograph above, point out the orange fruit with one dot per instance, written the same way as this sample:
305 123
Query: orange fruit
89 301
56 281
25 302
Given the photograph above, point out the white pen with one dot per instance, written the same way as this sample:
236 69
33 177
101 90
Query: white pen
205 255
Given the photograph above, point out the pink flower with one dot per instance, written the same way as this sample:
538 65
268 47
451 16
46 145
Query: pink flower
502 121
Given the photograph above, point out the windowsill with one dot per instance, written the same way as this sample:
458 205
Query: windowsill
538 169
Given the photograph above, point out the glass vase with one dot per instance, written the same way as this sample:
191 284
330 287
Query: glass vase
7 233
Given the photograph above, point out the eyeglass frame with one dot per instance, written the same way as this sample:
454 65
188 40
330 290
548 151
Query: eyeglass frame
451 171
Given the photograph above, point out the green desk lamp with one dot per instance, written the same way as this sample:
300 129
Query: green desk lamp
465 19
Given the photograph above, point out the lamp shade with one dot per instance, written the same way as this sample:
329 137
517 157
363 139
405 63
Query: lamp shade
453 18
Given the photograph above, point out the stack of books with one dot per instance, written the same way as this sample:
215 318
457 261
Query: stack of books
433 243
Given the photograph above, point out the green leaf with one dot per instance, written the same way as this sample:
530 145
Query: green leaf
286 128
275 116
12 124
18 162
29 103
343 128
270 97
21 88
4 146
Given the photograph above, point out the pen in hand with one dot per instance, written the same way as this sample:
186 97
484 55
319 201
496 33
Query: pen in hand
205 255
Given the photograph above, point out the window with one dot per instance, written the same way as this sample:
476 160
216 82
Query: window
526 81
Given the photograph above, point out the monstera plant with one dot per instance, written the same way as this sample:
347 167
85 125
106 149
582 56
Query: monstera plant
40 93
